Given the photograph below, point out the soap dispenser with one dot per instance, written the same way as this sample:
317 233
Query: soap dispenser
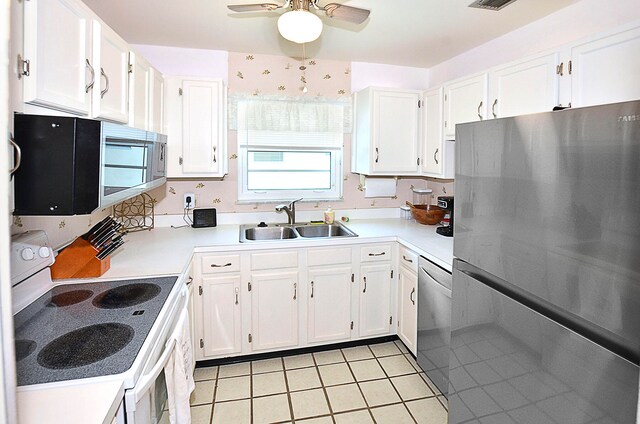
329 216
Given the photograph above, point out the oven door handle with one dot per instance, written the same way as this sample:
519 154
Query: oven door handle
147 380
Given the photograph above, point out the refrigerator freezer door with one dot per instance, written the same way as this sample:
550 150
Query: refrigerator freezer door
510 364
551 203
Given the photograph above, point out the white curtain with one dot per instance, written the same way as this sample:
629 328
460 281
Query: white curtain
291 122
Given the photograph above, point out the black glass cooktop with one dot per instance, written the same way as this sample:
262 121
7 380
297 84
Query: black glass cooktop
86 330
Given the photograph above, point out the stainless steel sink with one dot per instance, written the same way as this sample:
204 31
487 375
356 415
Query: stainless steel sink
278 232
269 233
320 231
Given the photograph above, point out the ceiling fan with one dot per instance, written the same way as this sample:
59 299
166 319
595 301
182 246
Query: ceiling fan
299 24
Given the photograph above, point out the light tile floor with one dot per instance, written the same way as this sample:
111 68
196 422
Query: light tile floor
379 383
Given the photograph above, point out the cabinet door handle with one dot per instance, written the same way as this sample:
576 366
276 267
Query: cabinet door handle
407 259
378 254
411 296
190 281
312 290
377 155
365 285
17 157
435 155
214 155
220 266
237 290
480 114
106 83
295 291
93 77
493 108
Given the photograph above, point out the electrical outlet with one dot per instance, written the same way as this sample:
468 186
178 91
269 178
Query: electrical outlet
189 201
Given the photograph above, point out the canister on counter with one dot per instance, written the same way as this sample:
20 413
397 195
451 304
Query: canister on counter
422 196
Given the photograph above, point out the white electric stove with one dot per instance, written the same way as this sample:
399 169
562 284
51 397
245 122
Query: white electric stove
73 332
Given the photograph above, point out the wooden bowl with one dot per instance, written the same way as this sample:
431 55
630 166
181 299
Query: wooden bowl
427 214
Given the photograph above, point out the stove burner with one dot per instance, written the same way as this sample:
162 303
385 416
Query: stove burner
85 346
69 298
24 348
125 296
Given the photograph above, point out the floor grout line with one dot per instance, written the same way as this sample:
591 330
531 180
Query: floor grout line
331 414
394 387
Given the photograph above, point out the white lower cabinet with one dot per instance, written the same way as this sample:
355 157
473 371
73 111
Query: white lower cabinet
329 305
375 300
222 315
274 309
408 307
268 300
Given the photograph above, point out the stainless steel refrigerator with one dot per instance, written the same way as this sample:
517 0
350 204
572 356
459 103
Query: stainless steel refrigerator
546 281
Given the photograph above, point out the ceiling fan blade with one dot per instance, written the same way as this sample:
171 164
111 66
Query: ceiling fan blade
346 13
254 7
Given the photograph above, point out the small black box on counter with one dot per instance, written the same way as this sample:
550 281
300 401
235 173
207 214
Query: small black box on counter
204 218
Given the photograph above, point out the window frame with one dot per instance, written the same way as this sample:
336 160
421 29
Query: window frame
250 196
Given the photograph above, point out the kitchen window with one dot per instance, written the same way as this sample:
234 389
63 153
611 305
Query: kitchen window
289 149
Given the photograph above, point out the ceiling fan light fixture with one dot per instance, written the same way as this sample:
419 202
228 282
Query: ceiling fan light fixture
300 26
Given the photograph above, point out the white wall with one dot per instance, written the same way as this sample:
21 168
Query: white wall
580 20
376 74
180 61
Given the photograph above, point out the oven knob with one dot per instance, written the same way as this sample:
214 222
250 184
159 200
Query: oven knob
28 254
44 252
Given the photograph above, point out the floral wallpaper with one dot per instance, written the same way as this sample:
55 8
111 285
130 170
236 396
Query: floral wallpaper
253 75
267 75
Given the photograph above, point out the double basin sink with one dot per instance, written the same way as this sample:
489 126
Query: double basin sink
249 233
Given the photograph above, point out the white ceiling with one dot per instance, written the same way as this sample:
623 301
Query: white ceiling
418 33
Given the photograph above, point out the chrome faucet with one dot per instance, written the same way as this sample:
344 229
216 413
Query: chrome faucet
290 209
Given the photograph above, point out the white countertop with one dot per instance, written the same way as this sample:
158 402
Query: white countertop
165 251
90 403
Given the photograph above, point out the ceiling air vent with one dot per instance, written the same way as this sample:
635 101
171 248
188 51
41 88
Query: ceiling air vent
491 4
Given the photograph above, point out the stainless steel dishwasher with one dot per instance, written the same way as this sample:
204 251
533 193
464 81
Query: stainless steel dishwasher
434 322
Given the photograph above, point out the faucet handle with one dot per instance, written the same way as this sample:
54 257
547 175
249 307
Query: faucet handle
293 202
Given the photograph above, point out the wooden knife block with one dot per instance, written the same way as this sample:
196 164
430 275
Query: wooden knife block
78 260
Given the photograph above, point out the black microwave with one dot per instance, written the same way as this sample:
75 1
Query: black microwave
73 166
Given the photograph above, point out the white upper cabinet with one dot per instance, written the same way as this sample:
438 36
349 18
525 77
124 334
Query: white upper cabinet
196 127
139 91
156 107
606 69
110 93
464 101
438 154
387 132
58 70
524 87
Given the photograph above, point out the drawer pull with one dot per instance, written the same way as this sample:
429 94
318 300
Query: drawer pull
378 254
365 285
411 296
220 266
406 259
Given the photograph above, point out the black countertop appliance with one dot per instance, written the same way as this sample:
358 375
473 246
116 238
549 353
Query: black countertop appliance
446 202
